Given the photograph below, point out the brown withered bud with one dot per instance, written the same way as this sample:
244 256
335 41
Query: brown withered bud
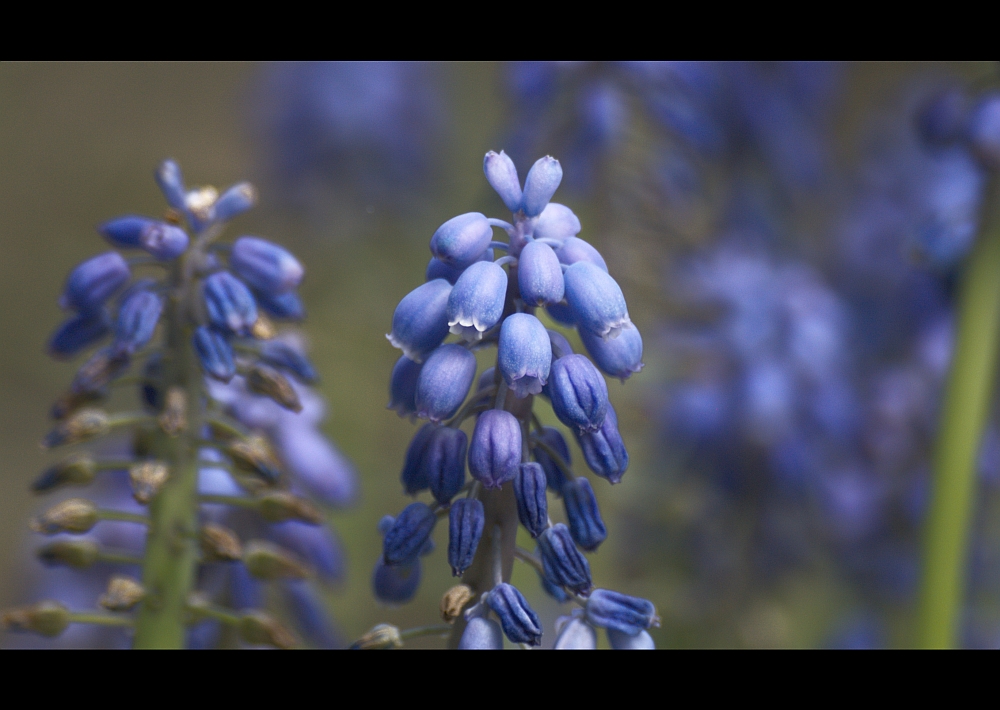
147 479
258 627
70 402
263 329
76 470
281 505
267 381
85 424
265 560
173 420
123 594
48 618
220 544
75 515
98 372
381 636
454 600
72 553
253 455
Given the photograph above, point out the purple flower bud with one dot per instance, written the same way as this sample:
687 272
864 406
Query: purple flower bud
396 584
235 201
215 354
502 177
444 461
641 641
560 346
524 354
604 450
465 528
552 589
408 534
563 563
125 231
94 281
315 463
553 474
984 129
314 543
541 184
520 623
420 321
403 386
267 267
596 300
583 513
461 240
561 313
556 222
476 302
229 303
574 250
539 275
495 451
284 306
532 503
613 610
282 355
481 635
137 319
619 357
168 177
415 476
77 333
444 382
576 635
164 241
579 393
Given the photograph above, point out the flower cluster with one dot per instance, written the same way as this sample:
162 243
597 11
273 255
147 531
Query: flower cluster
514 460
224 447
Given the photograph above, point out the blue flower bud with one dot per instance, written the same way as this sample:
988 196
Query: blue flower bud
495 451
584 515
415 475
235 201
604 450
420 321
641 641
230 305
576 635
168 177
444 461
560 346
574 250
314 543
437 269
94 281
502 177
619 357
541 184
539 275
563 563
556 222
77 333
403 386
613 610
476 302
444 382
579 393
137 319
519 621
215 354
408 534
465 528
396 584
462 240
284 356
561 313
267 267
596 299
532 503
553 589
553 474
984 129
125 231
164 241
524 354
481 635
284 306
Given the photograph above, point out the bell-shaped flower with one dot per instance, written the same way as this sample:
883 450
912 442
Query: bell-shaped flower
619 357
579 393
408 534
607 609
540 185
574 249
532 502
495 450
584 515
137 319
78 333
403 386
604 449
481 634
420 321
620 641
229 303
575 635
524 354
556 222
519 621
539 275
562 562
596 299
476 302
214 353
444 382
462 240
444 461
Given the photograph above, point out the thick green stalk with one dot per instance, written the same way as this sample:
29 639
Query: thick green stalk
965 408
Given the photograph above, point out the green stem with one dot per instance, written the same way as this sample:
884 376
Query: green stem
99 619
436 630
121 515
119 558
963 416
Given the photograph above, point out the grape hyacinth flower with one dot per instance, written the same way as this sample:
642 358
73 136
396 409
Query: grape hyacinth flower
513 459
223 478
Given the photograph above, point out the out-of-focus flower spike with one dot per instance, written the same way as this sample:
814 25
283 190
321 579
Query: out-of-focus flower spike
563 563
575 635
214 353
984 130
519 621
265 560
532 503
137 319
554 475
98 372
78 333
524 354
220 544
403 386
574 250
556 222
310 614
408 533
123 593
48 618
230 305
415 476
481 634
596 299
539 275
171 182
316 545
255 456
420 321
284 306
466 520
619 357
267 381
94 281
147 478
280 354
604 449
943 119
501 174
258 627
235 201
476 302
541 184
280 506
444 382
72 553
317 465
495 450
75 515
265 266
76 470
621 641
579 393
83 425
607 609
461 240
396 584
444 462
583 513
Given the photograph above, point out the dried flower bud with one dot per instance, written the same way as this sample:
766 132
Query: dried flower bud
123 594
381 636
281 505
70 402
262 628
263 329
85 424
72 553
75 515
254 455
454 601
102 367
269 382
220 544
266 560
147 479
78 470
173 420
48 618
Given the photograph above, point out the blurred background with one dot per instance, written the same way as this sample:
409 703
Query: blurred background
787 237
